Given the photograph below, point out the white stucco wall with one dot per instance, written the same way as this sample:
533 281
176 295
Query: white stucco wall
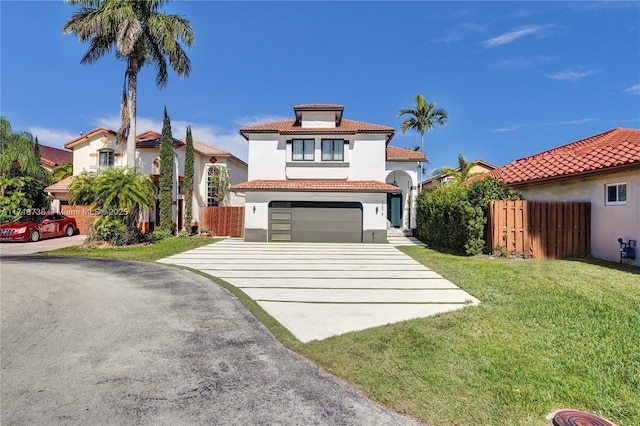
607 222
85 153
405 176
324 119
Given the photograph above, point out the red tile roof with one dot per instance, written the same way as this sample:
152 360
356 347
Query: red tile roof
615 149
315 185
398 154
292 127
52 157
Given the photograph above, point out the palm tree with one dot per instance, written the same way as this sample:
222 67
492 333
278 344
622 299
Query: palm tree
61 171
422 117
141 35
461 173
122 189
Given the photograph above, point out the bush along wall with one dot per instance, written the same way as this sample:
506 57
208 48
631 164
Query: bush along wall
454 216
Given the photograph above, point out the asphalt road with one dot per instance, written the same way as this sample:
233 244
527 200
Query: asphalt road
14 248
88 341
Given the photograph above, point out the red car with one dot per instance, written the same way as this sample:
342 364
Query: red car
36 226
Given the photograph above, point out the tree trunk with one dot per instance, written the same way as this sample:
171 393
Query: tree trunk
420 164
131 138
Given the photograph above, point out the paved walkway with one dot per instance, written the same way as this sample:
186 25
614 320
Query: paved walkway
320 290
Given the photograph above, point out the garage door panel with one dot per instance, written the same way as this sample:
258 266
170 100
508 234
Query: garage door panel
320 222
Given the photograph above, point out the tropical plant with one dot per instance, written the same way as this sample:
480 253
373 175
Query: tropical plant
166 175
82 190
459 174
422 117
22 177
188 179
118 194
61 171
140 35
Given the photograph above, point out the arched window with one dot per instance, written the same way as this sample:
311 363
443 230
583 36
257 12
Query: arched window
217 185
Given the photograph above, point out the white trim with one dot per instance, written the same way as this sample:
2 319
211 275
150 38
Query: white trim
606 194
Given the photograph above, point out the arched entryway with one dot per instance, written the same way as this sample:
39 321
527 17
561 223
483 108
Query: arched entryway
399 205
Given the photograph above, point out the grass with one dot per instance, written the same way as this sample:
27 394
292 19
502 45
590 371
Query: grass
149 253
548 334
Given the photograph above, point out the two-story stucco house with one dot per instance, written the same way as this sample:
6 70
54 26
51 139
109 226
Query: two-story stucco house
99 149
321 177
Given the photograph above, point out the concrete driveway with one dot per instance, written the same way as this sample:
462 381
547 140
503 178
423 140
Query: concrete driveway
97 341
321 290
14 248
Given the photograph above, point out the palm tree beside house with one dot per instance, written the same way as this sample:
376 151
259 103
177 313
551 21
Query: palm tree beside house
458 174
140 35
422 118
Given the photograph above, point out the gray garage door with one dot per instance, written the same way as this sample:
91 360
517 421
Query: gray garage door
315 221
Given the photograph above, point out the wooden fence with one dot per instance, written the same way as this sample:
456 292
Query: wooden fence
223 221
82 214
540 229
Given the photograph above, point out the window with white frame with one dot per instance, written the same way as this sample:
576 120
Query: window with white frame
616 194
105 159
332 149
303 149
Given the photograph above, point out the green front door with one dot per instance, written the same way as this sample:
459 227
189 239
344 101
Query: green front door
395 209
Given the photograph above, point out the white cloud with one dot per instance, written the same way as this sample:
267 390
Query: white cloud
512 36
52 137
570 75
226 139
520 62
579 121
634 90
459 32
512 128
258 119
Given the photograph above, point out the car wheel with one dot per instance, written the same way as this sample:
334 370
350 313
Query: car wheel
69 231
34 236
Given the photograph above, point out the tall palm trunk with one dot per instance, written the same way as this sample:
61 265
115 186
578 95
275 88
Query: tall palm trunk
131 137
420 165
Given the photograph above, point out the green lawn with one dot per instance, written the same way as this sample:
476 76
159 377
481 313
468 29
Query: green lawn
149 253
548 334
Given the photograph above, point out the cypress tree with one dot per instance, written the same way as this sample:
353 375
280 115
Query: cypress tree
188 180
166 175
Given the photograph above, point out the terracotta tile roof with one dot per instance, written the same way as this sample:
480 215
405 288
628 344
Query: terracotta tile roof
319 107
396 154
61 186
52 157
87 135
616 148
292 127
315 185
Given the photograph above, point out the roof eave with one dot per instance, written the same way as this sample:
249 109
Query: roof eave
564 178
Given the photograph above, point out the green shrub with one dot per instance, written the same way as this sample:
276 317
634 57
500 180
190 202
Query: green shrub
453 216
109 229
160 234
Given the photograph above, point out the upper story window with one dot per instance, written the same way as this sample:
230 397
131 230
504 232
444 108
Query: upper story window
616 194
105 159
303 149
332 149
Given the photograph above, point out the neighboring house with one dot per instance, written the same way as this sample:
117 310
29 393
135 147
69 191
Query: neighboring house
52 157
479 167
322 177
98 149
604 170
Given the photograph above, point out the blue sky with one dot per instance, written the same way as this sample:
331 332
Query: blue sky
515 77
